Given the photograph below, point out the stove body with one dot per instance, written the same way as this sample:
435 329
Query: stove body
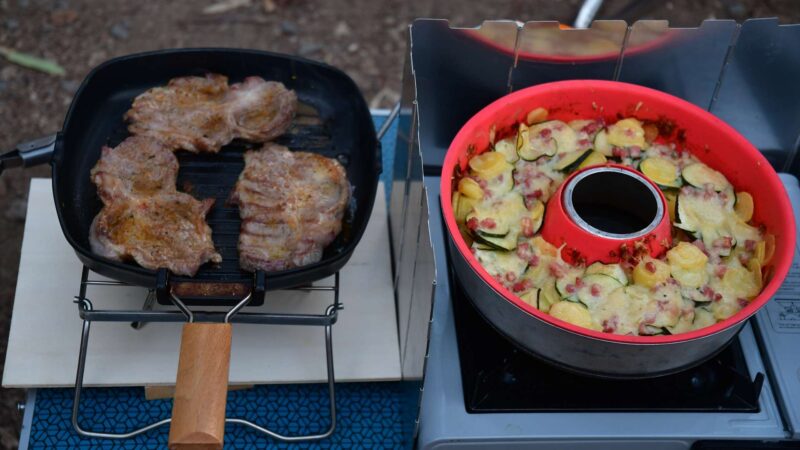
479 391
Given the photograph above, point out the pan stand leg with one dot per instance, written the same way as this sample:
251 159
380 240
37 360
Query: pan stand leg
87 305
331 396
148 306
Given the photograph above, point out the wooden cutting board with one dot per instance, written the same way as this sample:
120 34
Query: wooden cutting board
45 327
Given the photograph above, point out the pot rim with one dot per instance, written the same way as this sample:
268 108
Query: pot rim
781 260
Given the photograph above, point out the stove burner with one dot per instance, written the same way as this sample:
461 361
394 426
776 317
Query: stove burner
499 377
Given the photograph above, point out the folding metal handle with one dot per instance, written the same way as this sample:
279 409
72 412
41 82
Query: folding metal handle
30 153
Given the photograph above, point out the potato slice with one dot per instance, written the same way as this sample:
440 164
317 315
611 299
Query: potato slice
536 115
744 206
769 249
650 272
594 159
470 188
489 164
687 256
627 133
740 283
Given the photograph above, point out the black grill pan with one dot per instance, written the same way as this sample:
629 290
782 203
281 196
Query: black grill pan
333 120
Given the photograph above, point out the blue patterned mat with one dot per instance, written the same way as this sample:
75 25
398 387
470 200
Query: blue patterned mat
370 415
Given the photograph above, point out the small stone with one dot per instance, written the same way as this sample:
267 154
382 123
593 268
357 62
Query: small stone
341 29
96 57
70 86
736 9
120 30
288 27
353 47
8 72
63 17
309 48
12 24
3 85
16 210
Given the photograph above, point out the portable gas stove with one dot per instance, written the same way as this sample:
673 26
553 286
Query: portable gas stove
480 391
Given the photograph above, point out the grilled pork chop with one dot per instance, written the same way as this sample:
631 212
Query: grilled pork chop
145 217
201 114
140 165
164 230
291 205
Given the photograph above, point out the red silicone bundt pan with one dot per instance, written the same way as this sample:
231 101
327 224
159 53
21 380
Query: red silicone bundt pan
708 138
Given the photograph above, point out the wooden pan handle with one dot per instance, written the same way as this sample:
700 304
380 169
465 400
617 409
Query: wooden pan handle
201 388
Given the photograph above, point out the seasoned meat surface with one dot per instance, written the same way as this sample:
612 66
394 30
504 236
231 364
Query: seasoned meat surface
145 218
164 230
291 205
140 165
201 114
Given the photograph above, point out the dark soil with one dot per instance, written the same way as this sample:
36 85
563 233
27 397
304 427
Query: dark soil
366 38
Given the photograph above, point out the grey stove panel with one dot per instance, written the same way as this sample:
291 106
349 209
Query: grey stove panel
779 330
444 422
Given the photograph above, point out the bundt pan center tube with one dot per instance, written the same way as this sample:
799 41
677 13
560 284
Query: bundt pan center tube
638 212
597 209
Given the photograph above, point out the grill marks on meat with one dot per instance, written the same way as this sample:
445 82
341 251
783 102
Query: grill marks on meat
145 217
201 114
291 205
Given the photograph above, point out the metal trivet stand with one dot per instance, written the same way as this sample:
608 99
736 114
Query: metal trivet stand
138 318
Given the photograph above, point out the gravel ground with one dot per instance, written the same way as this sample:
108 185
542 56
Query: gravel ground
366 38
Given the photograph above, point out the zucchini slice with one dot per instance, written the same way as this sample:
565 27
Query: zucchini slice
703 318
489 223
531 297
567 286
508 148
662 172
568 162
501 263
573 313
554 130
548 296
601 143
506 243
533 149
597 287
699 175
614 271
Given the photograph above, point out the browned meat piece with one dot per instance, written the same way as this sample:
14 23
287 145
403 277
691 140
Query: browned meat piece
145 218
201 114
166 230
138 166
291 204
